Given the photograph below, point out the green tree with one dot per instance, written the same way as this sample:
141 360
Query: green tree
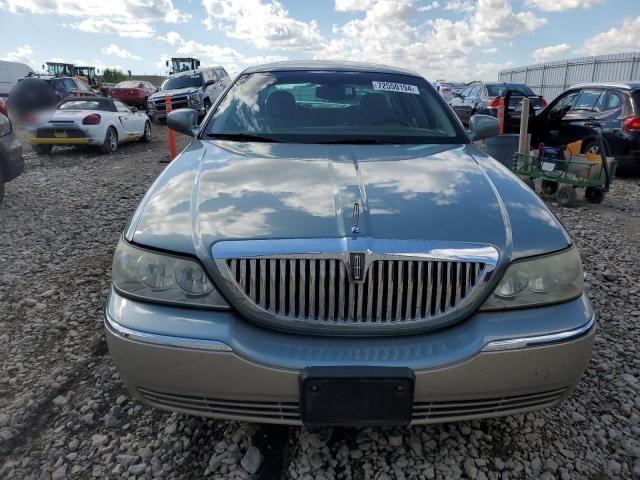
111 75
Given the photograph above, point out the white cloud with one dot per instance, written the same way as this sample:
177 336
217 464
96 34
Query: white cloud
549 53
430 6
490 50
265 24
562 5
353 5
465 6
127 18
490 70
21 54
230 58
115 50
440 48
625 38
123 28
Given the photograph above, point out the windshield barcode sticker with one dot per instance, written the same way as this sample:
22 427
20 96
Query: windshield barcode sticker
396 87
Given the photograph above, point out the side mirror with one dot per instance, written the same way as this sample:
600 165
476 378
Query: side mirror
183 120
134 109
210 82
483 126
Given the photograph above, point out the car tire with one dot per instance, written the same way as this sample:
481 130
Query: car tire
594 194
110 144
549 187
566 196
42 149
146 136
592 147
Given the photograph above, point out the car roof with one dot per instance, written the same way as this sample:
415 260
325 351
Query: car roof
623 85
328 65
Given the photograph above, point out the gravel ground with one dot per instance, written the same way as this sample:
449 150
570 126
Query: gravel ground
65 414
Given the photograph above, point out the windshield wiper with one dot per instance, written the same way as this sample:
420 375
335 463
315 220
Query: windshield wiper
359 141
242 137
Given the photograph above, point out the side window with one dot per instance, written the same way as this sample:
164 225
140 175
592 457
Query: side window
563 105
223 74
465 92
475 91
214 77
587 100
614 100
69 84
121 107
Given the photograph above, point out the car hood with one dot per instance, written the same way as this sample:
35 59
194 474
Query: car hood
178 91
220 190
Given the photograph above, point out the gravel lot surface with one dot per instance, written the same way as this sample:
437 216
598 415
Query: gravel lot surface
65 414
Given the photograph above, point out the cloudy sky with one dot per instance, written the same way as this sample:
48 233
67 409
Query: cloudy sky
453 39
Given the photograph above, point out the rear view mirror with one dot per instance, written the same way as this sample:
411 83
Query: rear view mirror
483 126
335 93
183 120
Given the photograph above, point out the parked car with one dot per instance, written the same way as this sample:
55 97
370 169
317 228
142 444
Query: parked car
99 121
331 249
484 98
133 92
11 162
40 92
615 106
10 73
449 89
194 89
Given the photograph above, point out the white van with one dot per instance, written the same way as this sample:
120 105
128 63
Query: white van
10 73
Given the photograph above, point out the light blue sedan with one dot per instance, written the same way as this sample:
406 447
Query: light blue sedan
331 249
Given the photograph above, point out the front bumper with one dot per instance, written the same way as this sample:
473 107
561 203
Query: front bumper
223 367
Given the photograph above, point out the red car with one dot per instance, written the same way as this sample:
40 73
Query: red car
133 92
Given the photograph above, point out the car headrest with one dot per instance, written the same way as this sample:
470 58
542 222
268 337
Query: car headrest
373 106
280 104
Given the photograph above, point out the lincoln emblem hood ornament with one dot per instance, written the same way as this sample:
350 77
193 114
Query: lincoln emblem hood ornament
355 227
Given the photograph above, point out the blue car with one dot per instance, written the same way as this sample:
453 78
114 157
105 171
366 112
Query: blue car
332 249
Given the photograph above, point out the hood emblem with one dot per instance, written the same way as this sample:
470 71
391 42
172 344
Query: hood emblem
355 219
356 264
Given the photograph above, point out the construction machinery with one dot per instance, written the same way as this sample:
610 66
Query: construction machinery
183 64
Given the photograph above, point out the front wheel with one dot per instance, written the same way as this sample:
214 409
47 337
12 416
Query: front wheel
146 136
566 196
110 143
42 149
594 194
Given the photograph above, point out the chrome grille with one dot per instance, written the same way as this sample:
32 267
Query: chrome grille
318 289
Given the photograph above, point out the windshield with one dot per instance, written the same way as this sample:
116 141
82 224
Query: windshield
333 107
81 105
129 84
501 90
184 81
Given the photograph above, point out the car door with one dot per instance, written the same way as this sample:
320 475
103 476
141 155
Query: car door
611 120
457 102
469 103
546 126
132 123
589 105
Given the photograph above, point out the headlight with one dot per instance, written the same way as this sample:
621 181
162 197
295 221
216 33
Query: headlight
159 277
538 281
194 98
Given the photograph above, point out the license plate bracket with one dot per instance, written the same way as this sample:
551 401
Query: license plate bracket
356 396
